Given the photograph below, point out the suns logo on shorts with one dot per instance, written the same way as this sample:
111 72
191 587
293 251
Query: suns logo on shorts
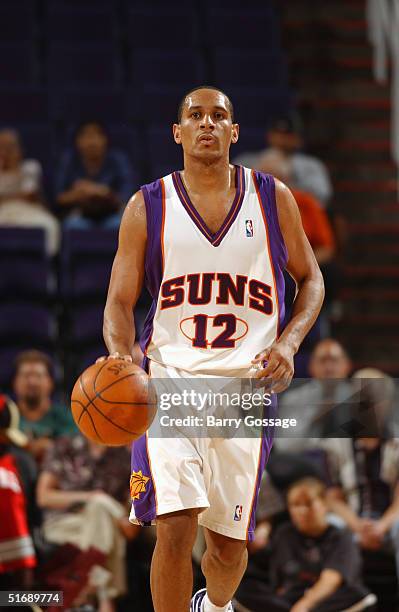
238 513
137 484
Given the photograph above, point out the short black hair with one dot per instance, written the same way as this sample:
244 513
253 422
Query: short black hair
90 121
182 101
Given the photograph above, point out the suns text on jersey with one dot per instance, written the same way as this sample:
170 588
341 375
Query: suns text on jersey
220 288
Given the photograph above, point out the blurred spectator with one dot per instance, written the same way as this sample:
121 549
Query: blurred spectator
21 198
94 182
17 495
377 394
314 565
41 419
317 403
302 171
84 490
366 495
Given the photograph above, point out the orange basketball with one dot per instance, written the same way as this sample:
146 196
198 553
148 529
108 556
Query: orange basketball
112 402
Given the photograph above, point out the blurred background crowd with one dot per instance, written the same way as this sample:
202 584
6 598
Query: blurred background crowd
88 93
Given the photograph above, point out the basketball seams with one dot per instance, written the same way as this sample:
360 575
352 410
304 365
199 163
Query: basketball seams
91 402
85 411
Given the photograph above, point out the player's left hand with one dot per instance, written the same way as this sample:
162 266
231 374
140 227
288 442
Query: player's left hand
279 369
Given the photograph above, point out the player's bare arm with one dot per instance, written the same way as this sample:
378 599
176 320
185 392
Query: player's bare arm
304 269
126 280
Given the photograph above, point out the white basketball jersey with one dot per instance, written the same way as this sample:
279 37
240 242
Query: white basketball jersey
218 298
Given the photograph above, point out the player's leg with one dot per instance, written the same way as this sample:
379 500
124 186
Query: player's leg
171 568
223 565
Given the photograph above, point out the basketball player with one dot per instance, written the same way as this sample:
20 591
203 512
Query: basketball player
211 243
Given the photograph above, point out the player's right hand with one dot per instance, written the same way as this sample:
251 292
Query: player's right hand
115 355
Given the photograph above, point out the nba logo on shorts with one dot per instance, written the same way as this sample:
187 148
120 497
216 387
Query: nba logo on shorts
238 513
249 229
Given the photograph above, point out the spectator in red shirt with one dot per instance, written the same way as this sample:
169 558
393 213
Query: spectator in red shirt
17 475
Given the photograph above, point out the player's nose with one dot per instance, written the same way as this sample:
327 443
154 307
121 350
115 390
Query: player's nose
207 121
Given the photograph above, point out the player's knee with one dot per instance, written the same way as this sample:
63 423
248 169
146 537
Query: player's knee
176 532
228 554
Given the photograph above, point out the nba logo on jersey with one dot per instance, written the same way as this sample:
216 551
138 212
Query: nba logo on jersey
238 513
249 229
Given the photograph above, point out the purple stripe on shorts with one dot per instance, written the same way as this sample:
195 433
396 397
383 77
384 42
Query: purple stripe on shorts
145 505
267 443
278 250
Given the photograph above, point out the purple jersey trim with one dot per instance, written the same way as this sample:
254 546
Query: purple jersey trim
265 186
214 238
145 506
154 205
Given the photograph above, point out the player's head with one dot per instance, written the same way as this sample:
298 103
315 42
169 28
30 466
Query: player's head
307 505
91 139
33 378
329 360
206 127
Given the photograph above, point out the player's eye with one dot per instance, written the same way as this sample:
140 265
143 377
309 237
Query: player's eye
195 115
219 115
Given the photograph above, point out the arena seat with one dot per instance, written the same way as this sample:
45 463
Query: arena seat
249 28
73 104
150 102
257 66
30 274
17 21
165 28
166 67
14 108
86 260
163 152
73 23
27 322
17 63
259 105
72 64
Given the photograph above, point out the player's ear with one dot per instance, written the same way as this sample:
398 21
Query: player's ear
176 133
235 132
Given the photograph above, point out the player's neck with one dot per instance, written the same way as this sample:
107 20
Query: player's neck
200 176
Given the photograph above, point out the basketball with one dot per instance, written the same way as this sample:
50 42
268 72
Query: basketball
111 402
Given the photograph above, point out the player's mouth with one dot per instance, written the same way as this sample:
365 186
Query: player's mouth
207 138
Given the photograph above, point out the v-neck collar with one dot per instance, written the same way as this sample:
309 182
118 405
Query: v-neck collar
215 238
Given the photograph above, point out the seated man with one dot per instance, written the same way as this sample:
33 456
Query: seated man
40 418
83 490
94 181
366 491
313 565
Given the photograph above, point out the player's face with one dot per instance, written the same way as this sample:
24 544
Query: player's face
32 383
206 130
307 510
